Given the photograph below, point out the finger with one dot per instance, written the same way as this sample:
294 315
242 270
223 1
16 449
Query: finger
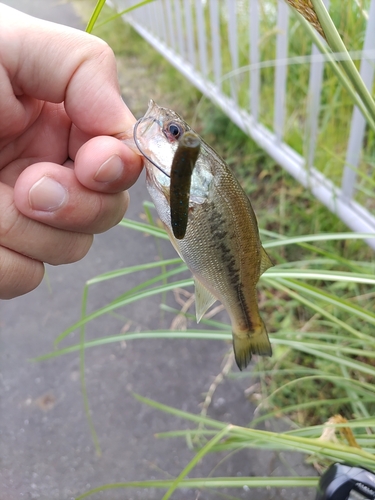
35 240
19 274
70 65
105 164
52 194
46 139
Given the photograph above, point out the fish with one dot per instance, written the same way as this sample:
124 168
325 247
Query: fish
183 163
221 246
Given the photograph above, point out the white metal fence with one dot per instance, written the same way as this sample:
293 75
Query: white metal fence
219 46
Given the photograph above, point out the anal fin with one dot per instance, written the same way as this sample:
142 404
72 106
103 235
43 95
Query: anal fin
203 299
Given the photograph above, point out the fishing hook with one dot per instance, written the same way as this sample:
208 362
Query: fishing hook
139 147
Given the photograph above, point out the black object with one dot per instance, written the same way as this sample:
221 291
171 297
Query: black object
344 482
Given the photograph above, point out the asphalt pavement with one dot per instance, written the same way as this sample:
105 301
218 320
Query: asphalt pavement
46 449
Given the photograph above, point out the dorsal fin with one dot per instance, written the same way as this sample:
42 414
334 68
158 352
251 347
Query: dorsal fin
265 261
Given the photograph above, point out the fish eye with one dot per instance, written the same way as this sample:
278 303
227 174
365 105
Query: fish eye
174 130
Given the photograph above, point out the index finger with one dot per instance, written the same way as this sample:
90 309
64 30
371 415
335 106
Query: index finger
56 63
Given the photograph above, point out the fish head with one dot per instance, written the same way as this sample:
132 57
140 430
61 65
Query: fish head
156 135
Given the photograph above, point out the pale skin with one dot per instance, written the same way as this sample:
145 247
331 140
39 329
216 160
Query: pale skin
63 174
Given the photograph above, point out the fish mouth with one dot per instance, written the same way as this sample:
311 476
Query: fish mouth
137 142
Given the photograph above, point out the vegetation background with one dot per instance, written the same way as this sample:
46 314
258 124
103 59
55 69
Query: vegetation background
318 301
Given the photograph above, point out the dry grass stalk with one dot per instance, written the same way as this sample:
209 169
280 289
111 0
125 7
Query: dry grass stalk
306 9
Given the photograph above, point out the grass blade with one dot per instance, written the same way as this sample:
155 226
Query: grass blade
125 11
342 78
126 298
154 334
348 65
144 228
94 16
202 452
216 482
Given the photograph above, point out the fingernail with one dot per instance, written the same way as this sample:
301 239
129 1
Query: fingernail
111 170
47 195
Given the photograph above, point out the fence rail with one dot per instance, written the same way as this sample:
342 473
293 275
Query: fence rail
219 46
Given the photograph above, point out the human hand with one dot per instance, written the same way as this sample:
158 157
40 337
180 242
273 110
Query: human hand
62 175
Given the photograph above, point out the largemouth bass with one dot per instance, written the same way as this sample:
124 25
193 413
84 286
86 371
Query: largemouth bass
221 246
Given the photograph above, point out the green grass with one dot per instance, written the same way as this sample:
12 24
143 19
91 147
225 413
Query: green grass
318 300
323 361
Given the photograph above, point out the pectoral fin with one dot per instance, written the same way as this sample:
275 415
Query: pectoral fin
203 299
265 261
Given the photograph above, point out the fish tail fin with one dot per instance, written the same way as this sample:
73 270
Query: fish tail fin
248 343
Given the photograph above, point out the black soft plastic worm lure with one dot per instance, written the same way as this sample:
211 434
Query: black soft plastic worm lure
183 164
